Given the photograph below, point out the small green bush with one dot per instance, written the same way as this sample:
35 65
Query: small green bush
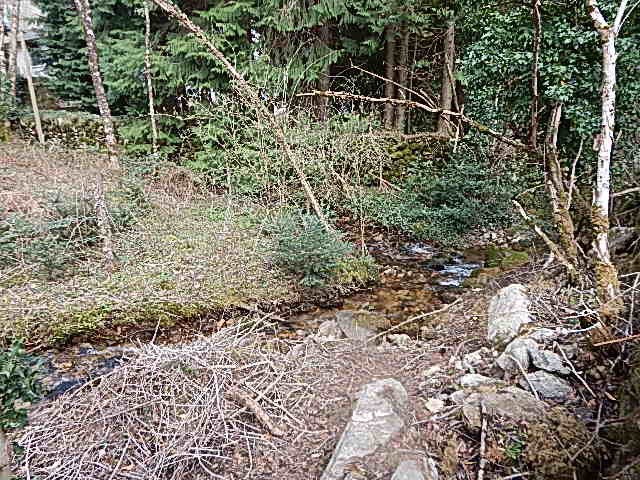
19 384
305 248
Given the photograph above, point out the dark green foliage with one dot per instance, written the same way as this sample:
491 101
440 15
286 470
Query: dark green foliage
306 249
18 385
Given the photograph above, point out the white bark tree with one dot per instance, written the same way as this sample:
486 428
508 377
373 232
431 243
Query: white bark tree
84 10
14 14
148 75
3 14
606 274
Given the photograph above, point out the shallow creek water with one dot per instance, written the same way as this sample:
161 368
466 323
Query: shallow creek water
414 278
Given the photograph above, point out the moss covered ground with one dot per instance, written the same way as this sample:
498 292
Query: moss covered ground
184 256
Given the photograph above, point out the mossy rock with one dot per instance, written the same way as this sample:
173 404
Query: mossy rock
506 258
627 433
551 446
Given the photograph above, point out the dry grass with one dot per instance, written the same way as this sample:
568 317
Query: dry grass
187 256
171 413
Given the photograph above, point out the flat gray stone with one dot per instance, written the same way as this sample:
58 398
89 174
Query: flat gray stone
519 352
508 312
400 339
547 385
550 362
475 380
351 328
376 418
512 403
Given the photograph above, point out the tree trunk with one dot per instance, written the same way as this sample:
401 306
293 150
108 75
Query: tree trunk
608 285
3 14
14 8
147 74
84 10
324 82
104 225
448 65
560 202
402 77
28 74
389 70
535 67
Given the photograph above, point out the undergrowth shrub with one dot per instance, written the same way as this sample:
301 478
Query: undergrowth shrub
19 385
68 234
305 248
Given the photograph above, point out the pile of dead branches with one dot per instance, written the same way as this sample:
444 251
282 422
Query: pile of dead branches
193 411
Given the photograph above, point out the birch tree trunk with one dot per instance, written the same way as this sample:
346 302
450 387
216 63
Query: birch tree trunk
3 14
608 285
84 10
389 74
14 9
448 65
402 76
148 76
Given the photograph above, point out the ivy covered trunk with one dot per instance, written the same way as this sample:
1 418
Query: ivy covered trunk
448 64
389 70
606 274
403 75
84 10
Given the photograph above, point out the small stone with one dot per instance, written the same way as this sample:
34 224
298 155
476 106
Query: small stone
475 359
544 335
547 386
431 371
434 405
517 355
408 470
400 339
550 362
329 330
508 312
511 403
475 380
458 397
352 328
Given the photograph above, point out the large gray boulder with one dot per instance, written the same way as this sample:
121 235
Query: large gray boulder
377 417
508 312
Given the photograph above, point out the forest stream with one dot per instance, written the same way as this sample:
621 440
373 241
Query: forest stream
415 278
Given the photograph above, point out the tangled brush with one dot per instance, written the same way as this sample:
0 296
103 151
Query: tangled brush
191 411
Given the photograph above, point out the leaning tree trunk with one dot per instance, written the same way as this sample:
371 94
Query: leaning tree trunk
448 65
3 14
13 47
608 285
402 77
251 98
389 69
148 75
84 10
324 81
